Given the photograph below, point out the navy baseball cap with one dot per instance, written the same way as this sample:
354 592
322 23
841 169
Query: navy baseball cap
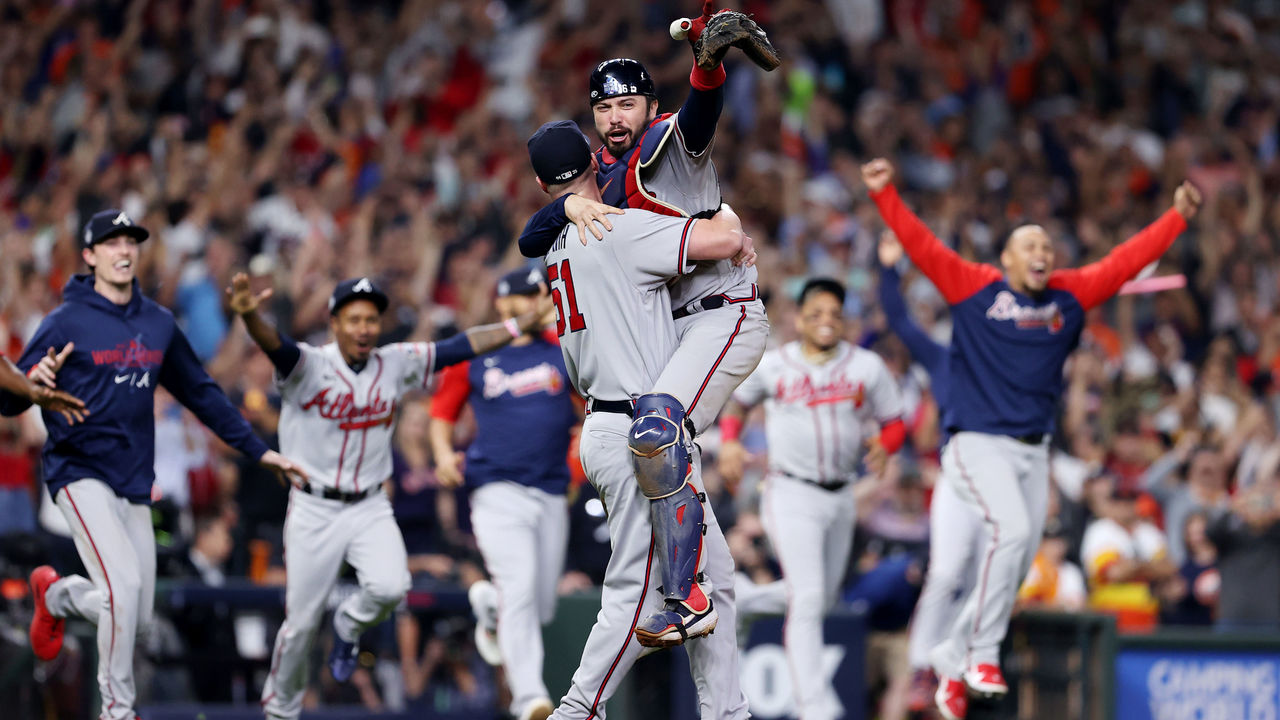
110 223
357 289
520 282
559 152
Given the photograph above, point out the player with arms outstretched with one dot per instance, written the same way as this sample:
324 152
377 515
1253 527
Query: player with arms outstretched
662 163
339 404
1013 331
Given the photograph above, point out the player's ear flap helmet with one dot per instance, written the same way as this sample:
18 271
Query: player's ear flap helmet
620 76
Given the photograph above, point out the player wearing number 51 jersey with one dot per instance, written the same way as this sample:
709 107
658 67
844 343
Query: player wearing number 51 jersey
339 404
1012 334
617 337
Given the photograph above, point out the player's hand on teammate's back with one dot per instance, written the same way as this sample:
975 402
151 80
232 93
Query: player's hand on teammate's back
70 407
877 174
731 462
45 372
283 467
449 469
1186 200
242 299
589 215
890 249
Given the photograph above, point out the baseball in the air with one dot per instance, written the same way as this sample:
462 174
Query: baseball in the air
680 28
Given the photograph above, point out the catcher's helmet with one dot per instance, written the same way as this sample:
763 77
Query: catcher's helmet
620 76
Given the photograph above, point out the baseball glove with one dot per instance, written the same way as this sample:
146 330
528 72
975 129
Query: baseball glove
732 28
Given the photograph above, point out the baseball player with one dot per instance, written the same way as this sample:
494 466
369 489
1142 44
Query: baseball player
22 389
1013 332
820 394
338 405
100 471
662 163
518 476
955 530
612 309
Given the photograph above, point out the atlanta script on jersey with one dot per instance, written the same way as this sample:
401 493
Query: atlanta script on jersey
337 422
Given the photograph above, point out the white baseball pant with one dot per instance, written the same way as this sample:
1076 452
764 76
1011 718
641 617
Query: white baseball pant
319 535
1006 481
630 589
523 533
955 534
718 350
811 530
116 542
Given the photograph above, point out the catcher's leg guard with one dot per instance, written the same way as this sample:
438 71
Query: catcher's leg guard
661 457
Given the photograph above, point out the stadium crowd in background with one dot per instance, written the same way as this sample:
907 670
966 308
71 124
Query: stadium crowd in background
312 140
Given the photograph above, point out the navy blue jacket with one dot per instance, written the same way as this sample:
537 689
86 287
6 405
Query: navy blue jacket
121 353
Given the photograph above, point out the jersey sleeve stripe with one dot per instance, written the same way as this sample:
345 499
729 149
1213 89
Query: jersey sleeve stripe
684 257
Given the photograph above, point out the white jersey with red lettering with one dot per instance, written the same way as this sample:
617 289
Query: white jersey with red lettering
337 422
818 416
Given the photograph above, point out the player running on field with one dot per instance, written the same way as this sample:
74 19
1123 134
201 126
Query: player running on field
662 163
820 393
517 474
338 405
1012 334
100 471
955 529
613 318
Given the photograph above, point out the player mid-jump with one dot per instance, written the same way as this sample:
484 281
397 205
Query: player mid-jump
662 163
339 403
1012 334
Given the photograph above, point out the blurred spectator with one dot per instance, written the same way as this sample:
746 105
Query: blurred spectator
1202 485
17 466
1192 598
1125 557
208 629
1247 537
1053 582
423 511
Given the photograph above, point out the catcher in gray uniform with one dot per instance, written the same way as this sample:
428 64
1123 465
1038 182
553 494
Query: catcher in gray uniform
662 163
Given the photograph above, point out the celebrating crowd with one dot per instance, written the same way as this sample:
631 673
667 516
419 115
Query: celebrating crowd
310 141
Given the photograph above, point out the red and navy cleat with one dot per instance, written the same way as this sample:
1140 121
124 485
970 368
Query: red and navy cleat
986 679
46 630
678 621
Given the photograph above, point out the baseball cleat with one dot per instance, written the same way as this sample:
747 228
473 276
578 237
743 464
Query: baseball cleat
539 709
678 621
46 630
952 699
342 658
986 679
483 597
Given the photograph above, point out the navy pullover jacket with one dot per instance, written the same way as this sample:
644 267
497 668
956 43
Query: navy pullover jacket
121 353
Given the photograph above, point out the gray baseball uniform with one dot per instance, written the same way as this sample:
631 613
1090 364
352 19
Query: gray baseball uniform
816 424
339 422
616 335
719 347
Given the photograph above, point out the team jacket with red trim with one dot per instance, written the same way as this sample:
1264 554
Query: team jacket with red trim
1008 349
523 406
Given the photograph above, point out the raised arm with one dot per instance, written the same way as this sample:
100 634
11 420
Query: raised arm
955 277
282 350
1097 282
487 338
922 347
